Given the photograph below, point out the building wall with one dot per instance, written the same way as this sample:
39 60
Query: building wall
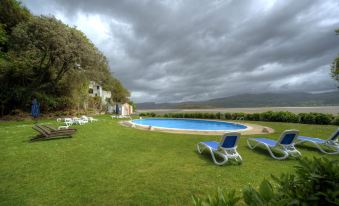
124 109
95 90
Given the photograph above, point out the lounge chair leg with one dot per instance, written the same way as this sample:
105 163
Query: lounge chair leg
276 157
213 154
221 155
200 150
269 150
233 154
250 146
324 151
320 148
239 156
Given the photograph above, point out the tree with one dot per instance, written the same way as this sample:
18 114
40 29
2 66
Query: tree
335 66
119 92
12 13
42 57
3 35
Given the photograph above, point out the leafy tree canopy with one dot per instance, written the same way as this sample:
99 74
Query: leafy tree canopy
12 13
47 59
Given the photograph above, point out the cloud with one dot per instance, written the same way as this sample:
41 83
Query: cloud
173 50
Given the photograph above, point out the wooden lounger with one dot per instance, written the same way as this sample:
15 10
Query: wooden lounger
53 129
47 132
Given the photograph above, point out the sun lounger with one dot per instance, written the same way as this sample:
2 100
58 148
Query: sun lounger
47 132
88 119
91 119
226 148
284 145
329 146
53 129
79 121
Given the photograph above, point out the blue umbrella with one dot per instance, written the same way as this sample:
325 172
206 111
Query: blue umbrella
35 108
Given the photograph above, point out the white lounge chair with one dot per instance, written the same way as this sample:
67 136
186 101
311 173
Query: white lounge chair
329 146
91 119
67 121
284 145
226 148
119 116
79 121
115 116
84 119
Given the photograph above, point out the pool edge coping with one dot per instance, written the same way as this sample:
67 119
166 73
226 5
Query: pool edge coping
251 128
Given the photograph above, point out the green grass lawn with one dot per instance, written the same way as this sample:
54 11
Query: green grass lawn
108 164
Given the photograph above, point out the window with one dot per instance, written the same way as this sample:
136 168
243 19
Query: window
98 87
90 91
96 95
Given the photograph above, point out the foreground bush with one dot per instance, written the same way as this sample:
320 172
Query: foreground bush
314 182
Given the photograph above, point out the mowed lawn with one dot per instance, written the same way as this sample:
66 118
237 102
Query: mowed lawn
108 164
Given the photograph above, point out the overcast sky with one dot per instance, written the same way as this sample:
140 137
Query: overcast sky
173 50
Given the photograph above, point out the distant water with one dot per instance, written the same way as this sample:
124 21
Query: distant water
325 109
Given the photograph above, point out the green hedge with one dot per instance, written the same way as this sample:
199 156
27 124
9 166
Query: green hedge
269 116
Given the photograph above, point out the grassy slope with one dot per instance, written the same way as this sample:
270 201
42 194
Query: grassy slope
107 164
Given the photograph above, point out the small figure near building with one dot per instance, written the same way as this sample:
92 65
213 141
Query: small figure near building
35 108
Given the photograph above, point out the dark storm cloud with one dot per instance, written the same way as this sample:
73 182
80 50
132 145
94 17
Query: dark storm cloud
193 50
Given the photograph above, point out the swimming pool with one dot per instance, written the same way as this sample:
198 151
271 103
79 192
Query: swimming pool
189 124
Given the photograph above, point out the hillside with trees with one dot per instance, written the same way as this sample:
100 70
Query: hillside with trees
44 58
293 99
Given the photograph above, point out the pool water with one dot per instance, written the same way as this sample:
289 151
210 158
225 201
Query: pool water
189 124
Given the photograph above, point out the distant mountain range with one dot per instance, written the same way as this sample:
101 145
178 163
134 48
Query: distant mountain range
299 99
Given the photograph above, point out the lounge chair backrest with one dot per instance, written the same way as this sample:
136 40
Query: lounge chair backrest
68 120
288 137
334 136
37 128
229 140
84 117
50 128
43 128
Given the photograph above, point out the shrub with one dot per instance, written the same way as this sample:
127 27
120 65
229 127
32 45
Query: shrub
252 117
238 115
226 198
148 114
228 115
212 116
307 118
314 182
335 120
284 117
266 116
315 118
321 118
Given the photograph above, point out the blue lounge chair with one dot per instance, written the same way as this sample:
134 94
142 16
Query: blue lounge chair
329 146
226 148
285 145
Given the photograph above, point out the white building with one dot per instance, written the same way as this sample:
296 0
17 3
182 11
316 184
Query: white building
95 90
121 109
